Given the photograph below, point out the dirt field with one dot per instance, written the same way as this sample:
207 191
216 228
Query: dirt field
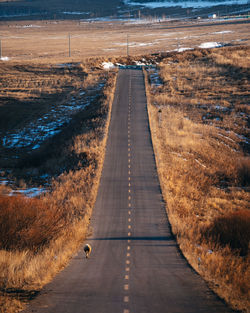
48 41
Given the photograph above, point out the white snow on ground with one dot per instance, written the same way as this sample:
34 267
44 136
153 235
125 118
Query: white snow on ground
223 32
139 63
184 4
29 192
30 26
4 59
51 123
207 45
183 49
107 65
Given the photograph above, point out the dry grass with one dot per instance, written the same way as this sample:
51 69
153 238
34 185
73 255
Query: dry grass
199 124
39 236
47 41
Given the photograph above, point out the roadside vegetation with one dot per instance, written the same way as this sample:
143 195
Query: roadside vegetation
199 117
40 235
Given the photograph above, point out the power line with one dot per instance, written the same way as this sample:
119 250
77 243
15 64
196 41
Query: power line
69 47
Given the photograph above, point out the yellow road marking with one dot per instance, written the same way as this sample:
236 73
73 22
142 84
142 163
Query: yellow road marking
129 240
129 212
129 205
128 255
126 287
128 247
129 226
126 311
129 234
127 262
126 299
127 269
126 277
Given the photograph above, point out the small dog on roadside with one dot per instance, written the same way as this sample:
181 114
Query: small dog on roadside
87 249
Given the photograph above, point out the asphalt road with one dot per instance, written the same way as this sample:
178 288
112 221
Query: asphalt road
135 265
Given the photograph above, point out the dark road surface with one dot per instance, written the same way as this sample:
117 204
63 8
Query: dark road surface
135 265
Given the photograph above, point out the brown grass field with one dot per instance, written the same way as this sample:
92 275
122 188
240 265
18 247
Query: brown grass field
202 104
199 119
47 41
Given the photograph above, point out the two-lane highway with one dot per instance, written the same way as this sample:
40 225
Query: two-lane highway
135 265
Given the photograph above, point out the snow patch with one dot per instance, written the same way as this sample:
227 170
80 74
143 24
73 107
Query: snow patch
29 192
208 45
4 59
183 49
107 65
223 32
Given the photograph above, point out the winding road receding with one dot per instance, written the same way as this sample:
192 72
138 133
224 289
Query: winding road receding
135 265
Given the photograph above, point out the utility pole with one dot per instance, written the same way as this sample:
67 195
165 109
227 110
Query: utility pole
69 47
127 46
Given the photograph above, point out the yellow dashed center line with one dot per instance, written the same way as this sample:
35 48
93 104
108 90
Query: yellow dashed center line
126 299
126 286
127 269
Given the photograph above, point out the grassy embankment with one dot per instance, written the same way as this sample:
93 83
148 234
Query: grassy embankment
38 236
199 121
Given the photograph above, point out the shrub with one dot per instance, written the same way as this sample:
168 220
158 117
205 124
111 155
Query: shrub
231 230
27 223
